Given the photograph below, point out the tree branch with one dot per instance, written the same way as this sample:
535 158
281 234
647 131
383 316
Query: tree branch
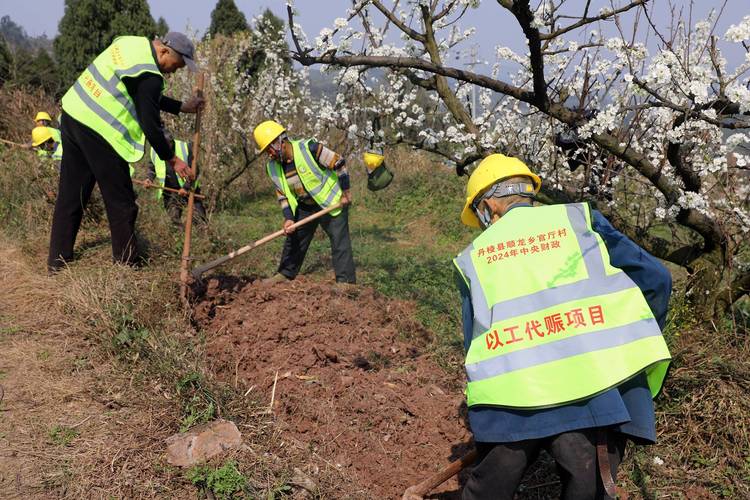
588 20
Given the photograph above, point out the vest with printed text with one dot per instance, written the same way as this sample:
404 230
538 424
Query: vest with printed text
100 100
321 184
554 322
160 166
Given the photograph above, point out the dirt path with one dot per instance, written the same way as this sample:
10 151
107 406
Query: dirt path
70 425
350 376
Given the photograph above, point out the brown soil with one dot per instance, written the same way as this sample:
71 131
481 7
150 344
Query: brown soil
349 374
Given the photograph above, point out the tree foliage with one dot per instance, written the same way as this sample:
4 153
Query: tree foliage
162 28
648 134
36 70
89 26
226 19
6 61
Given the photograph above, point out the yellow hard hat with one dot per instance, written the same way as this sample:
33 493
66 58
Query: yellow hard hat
266 133
372 160
491 170
43 115
40 135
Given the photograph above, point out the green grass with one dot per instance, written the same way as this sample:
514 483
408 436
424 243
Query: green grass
61 435
224 482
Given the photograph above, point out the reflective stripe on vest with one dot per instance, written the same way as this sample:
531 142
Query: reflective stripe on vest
160 166
321 184
554 322
57 152
100 100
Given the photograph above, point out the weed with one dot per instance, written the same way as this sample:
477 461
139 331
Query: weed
199 405
280 491
130 336
9 330
224 481
43 355
62 435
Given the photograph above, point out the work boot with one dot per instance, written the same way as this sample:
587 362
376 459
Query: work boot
276 278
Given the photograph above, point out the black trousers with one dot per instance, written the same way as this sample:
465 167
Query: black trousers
500 466
87 160
297 243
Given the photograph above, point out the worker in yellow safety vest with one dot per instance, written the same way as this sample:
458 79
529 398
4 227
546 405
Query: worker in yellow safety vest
45 143
43 119
562 330
162 174
308 177
107 115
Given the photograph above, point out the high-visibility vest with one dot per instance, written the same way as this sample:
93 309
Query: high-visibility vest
100 100
55 134
321 184
55 154
160 166
554 322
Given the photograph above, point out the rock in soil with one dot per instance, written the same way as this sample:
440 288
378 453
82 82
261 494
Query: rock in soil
201 443
355 380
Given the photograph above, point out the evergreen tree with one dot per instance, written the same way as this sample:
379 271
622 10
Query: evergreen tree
226 19
89 26
162 28
36 70
6 62
133 18
13 33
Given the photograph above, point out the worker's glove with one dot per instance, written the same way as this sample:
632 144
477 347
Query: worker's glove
192 105
147 182
288 229
182 192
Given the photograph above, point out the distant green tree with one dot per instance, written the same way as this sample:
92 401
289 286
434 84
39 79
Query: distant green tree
46 71
162 28
226 19
272 28
6 62
13 33
133 17
89 26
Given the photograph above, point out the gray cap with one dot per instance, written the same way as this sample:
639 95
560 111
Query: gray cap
182 45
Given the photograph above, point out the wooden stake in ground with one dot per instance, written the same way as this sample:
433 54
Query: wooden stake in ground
185 263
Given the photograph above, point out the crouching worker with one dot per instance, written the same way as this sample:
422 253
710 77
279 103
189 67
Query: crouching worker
562 330
163 174
47 144
308 177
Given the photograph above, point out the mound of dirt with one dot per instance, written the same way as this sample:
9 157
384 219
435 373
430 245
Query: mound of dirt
350 376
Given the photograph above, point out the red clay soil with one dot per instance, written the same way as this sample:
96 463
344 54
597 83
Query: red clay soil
355 382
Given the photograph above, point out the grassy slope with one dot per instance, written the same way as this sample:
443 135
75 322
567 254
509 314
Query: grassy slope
139 344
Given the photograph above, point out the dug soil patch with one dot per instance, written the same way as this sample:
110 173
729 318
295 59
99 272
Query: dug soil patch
351 378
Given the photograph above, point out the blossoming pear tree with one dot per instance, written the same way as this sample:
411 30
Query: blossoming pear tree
650 125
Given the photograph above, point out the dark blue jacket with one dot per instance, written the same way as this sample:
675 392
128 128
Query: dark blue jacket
629 406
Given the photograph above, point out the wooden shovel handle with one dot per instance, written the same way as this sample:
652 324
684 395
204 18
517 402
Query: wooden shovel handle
418 491
198 271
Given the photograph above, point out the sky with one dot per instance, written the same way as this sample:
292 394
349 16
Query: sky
494 25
